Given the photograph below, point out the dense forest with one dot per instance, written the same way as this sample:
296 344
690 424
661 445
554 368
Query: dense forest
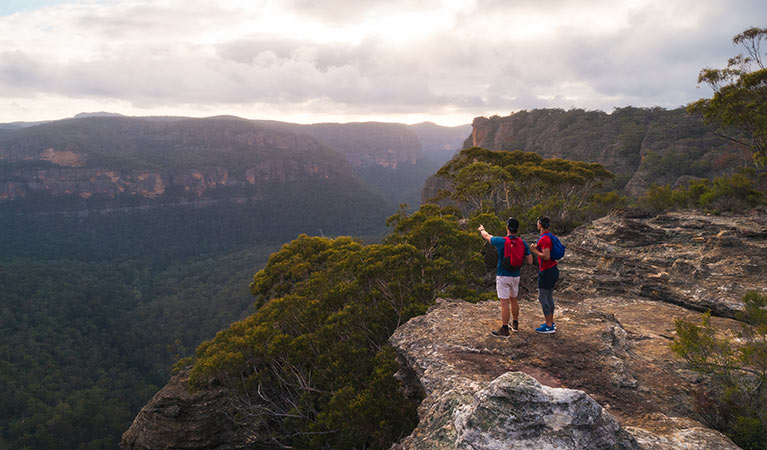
97 305
86 343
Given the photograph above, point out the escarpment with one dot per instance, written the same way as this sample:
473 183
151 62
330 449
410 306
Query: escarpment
640 146
112 158
606 379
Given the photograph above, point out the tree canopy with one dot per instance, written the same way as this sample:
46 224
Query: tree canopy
522 184
738 107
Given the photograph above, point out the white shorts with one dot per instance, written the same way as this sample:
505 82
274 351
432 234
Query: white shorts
507 286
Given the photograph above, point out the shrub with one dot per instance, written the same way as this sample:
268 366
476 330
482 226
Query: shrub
726 193
737 404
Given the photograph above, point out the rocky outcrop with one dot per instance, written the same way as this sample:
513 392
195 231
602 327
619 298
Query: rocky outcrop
178 417
606 379
625 280
641 146
688 258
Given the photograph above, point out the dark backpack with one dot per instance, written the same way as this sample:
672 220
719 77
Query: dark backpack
557 247
513 253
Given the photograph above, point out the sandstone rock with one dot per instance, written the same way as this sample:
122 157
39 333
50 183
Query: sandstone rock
179 418
702 262
609 351
515 411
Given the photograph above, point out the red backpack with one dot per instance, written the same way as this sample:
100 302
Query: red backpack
513 253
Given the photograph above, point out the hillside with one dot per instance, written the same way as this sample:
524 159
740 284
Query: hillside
641 146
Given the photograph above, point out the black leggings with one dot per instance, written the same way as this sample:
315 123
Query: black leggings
547 279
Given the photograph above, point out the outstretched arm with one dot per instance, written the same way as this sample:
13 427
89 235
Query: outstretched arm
484 233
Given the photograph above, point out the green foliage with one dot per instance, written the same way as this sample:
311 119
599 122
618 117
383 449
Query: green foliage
676 163
736 192
740 95
308 360
451 247
663 198
738 405
522 184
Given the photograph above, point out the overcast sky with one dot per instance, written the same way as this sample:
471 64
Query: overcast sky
445 61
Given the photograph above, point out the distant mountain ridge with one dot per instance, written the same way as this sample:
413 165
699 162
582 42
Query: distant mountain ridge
110 155
115 157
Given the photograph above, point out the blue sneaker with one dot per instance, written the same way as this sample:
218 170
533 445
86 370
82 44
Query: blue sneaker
545 329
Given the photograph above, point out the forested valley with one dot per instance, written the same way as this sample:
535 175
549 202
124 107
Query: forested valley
97 305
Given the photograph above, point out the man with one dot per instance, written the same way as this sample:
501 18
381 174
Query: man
548 274
506 280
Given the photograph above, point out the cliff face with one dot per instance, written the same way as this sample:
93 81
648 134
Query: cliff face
641 146
120 157
606 379
178 417
196 183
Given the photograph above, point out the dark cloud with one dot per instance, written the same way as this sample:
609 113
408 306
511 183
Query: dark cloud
20 72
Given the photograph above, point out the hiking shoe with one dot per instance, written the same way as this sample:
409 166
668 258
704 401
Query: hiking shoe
515 326
502 332
545 329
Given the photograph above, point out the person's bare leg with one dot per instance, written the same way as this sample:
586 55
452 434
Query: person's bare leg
505 313
514 308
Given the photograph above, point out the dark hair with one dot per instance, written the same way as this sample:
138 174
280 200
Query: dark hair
545 222
512 224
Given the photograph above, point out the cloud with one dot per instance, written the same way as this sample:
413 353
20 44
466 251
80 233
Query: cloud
364 58
342 12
